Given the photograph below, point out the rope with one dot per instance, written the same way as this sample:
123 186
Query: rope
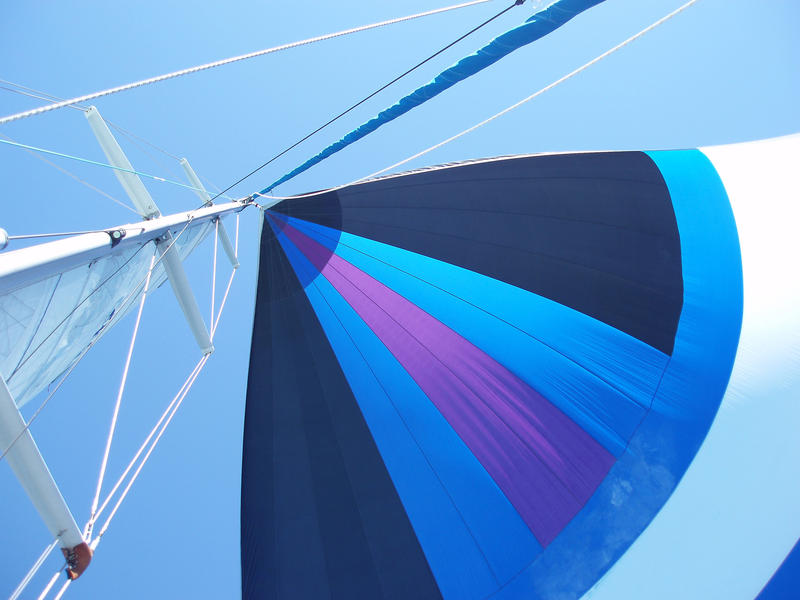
34 569
373 94
226 61
580 69
115 415
106 165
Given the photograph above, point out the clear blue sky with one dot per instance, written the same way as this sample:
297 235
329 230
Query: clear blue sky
723 71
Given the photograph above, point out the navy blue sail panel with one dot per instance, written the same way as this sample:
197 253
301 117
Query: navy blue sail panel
428 415
320 517
595 232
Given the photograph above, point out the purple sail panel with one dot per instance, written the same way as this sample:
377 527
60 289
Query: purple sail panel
545 464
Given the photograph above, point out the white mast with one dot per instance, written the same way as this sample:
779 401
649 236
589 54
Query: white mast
26 266
30 469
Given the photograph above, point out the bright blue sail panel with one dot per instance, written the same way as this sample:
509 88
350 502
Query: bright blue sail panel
604 379
483 380
536 27
439 479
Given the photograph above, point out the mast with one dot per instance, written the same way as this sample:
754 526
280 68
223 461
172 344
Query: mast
20 268
30 469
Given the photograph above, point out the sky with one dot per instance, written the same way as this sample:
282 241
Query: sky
723 71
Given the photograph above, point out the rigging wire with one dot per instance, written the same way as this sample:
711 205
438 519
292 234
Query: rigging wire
34 569
34 93
50 585
76 307
50 97
75 177
373 94
98 335
118 403
506 110
63 589
133 138
158 430
226 61
215 323
31 236
214 273
37 96
172 409
129 134
106 165
134 460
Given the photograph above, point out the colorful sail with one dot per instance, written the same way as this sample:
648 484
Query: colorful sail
485 380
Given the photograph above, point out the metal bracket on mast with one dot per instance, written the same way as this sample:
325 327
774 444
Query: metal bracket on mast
203 194
148 210
28 465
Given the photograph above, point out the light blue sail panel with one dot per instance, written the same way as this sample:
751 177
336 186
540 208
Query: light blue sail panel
536 27
602 378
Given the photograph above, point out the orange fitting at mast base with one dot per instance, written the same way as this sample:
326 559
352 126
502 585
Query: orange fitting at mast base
78 558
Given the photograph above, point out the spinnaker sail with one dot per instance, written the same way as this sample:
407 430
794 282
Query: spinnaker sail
484 380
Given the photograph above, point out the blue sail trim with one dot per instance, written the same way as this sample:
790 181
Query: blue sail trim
536 27
690 393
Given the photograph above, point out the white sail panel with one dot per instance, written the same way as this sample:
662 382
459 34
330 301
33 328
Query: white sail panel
46 325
